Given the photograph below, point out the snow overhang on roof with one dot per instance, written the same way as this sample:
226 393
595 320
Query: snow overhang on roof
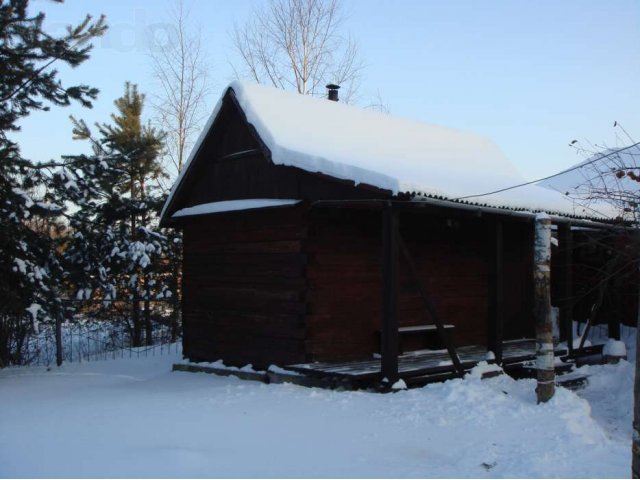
233 206
391 153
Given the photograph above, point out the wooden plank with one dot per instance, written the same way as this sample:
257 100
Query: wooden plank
225 372
244 347
244 280
200 237
228 323
250 318
326 321
227 334
321 275
244 294
272 265
277 246
206 260
416 364
240 305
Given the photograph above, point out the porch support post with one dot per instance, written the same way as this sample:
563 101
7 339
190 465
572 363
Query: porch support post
616 288
496 291
565 248
389 347
542 308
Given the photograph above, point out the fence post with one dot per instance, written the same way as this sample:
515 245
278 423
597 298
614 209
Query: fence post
59 352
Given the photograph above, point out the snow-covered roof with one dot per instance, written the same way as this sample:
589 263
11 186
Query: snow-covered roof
384 151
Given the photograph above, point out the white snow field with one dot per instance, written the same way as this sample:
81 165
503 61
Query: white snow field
137 418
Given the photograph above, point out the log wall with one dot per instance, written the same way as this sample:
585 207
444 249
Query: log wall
244 287
344 296
294 285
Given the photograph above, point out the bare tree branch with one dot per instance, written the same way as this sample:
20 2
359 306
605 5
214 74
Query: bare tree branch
613 179
295 44
181 71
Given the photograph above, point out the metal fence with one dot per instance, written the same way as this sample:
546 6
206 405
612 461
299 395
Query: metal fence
93 333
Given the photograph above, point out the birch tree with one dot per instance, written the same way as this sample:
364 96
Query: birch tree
180 68
297 45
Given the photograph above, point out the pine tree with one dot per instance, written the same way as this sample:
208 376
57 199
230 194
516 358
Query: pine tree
30 271
116 251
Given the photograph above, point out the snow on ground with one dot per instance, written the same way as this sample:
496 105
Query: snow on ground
136 418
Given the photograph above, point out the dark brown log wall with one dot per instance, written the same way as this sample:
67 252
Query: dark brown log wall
344 279
344 297
452 257
518 281
291 285
244 284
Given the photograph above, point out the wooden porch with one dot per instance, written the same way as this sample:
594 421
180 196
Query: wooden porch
426 364
429 365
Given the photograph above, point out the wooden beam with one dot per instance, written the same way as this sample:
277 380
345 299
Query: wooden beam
389 331
496 291
565 264
431 309
542 308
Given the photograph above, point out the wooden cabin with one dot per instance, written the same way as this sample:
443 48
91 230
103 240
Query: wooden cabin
320 237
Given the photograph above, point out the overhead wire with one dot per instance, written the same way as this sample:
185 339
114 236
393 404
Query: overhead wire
576 167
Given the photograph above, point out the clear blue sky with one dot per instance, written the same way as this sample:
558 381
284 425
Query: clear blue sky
532 76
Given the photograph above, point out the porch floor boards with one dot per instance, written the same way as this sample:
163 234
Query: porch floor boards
421 362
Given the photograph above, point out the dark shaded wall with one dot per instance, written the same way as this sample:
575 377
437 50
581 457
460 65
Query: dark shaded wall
244 286
600 258
344 296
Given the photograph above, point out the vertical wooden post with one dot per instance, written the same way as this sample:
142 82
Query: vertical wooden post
59 349
496 291
565 248
615 311
542 308
389 347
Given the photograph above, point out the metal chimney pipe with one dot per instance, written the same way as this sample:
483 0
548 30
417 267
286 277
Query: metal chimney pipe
332 92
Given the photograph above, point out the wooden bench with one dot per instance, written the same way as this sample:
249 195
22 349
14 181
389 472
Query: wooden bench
427 333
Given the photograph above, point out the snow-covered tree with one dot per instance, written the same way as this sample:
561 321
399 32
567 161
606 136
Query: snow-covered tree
115 252
30 270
